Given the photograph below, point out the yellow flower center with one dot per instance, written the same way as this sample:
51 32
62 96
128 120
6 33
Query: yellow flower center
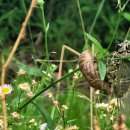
6 90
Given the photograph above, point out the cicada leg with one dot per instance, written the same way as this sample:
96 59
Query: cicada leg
59 76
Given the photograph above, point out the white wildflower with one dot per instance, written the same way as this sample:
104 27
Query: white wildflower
33 82
102 105
72 128
43 126
6 89
30 94
1 124
21 72
24 87
15 115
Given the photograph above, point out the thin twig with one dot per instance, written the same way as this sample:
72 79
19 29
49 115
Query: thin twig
3 96
96 125
9 59
82 22
21 34
91 107
62 57
57 61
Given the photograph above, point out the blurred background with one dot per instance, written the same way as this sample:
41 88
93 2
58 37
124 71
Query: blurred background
64 23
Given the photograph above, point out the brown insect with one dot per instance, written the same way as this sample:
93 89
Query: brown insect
89 69
120 69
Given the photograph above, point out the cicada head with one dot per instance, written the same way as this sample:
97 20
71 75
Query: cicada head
123 47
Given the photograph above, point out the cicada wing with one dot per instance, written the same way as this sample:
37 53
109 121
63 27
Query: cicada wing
123 79
124 91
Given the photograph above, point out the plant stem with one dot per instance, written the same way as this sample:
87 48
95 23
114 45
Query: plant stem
82 23
121 9
63 118
97 15
45 32
115 31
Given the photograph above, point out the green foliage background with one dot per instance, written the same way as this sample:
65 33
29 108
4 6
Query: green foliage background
64 21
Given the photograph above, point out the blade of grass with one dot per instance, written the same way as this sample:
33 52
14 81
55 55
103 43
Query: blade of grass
94 23
96 17
97 43
7 15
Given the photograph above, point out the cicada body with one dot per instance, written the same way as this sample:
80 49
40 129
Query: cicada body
89 69
120 72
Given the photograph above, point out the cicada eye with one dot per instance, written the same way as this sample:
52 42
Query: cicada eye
119 48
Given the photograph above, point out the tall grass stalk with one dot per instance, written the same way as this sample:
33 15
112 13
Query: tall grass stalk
121 9
45 29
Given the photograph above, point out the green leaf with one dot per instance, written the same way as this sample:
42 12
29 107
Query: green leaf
97 43
126 16
102 69
3 17
97 48
31 70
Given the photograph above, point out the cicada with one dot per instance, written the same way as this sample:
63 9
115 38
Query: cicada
121 76
119 69
89 69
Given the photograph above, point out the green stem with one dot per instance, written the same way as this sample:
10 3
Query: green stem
96 17
45 31
63 118
46 88
121 9
82 23
115 31
19 99
94 23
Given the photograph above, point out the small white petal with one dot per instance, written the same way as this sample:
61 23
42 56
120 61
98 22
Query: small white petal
43 126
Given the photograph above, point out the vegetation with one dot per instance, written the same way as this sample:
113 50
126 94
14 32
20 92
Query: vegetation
36 91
